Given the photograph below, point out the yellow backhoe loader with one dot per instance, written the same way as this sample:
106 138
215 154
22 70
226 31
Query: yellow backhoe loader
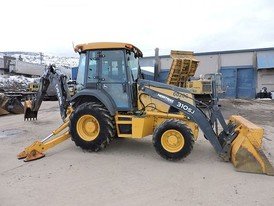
112 100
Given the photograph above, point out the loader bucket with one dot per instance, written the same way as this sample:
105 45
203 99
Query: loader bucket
246 152
3 104
15 106
3 111
28 113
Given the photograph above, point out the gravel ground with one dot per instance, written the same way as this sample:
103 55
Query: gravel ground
129 171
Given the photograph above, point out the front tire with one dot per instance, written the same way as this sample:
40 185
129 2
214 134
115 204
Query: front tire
91 126
173 140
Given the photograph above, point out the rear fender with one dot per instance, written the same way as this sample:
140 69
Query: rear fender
94 95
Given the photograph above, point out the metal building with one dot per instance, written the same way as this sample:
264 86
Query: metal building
245 72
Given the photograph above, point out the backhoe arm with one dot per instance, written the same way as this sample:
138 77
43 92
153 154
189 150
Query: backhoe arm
31 107
58 79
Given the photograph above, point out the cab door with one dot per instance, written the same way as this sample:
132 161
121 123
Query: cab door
113 78
107 72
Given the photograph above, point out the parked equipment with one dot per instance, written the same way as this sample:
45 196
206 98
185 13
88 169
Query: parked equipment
34 87
181 74
3 104
10 102
113 101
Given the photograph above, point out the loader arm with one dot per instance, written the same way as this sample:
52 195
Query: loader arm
58 79
239 142
220 143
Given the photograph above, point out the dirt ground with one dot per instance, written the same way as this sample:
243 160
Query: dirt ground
128 172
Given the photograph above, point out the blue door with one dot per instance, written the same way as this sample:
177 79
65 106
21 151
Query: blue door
229 82
238 82
245 83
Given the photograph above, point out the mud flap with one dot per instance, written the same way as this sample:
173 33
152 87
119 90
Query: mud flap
246 152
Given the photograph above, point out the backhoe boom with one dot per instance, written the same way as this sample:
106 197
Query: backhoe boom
59 80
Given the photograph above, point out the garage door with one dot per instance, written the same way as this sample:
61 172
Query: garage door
238 82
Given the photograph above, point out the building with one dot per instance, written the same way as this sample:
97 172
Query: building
6 63
244 72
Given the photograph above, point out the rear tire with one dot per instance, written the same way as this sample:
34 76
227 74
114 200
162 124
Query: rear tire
91 126
173 140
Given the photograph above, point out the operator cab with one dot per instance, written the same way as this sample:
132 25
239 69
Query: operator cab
112 69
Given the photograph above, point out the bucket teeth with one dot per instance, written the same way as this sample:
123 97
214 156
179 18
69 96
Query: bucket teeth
28 113
30 118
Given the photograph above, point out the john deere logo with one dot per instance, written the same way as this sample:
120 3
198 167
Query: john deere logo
163 97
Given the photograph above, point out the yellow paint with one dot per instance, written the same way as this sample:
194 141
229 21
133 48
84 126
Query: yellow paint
39 147
246 152
157 105
34 87
142 127
107 45
199 86
172 141
88 127
145 125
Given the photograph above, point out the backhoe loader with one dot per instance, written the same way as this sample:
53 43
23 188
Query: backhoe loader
112 100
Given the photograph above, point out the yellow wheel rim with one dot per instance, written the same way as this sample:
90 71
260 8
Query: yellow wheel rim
172 141
88 127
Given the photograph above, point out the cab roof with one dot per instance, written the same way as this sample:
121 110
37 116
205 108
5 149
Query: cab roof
107 45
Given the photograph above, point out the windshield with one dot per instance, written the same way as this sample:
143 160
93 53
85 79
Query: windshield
81 72
133 65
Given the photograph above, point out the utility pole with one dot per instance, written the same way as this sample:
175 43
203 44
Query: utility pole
41 57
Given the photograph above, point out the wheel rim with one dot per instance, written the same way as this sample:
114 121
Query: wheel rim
88 127
172 141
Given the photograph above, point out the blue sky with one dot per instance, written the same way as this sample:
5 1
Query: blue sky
51 26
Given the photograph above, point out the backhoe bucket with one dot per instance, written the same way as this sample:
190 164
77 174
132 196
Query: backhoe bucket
28 113
246 152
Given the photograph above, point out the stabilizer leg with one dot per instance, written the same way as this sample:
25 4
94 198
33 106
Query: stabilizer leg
36 150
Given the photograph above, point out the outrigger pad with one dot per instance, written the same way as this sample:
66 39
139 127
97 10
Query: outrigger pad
30 156
34 155
246 152
22 155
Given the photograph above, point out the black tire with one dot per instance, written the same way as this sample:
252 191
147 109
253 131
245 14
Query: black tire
173 140
91 126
